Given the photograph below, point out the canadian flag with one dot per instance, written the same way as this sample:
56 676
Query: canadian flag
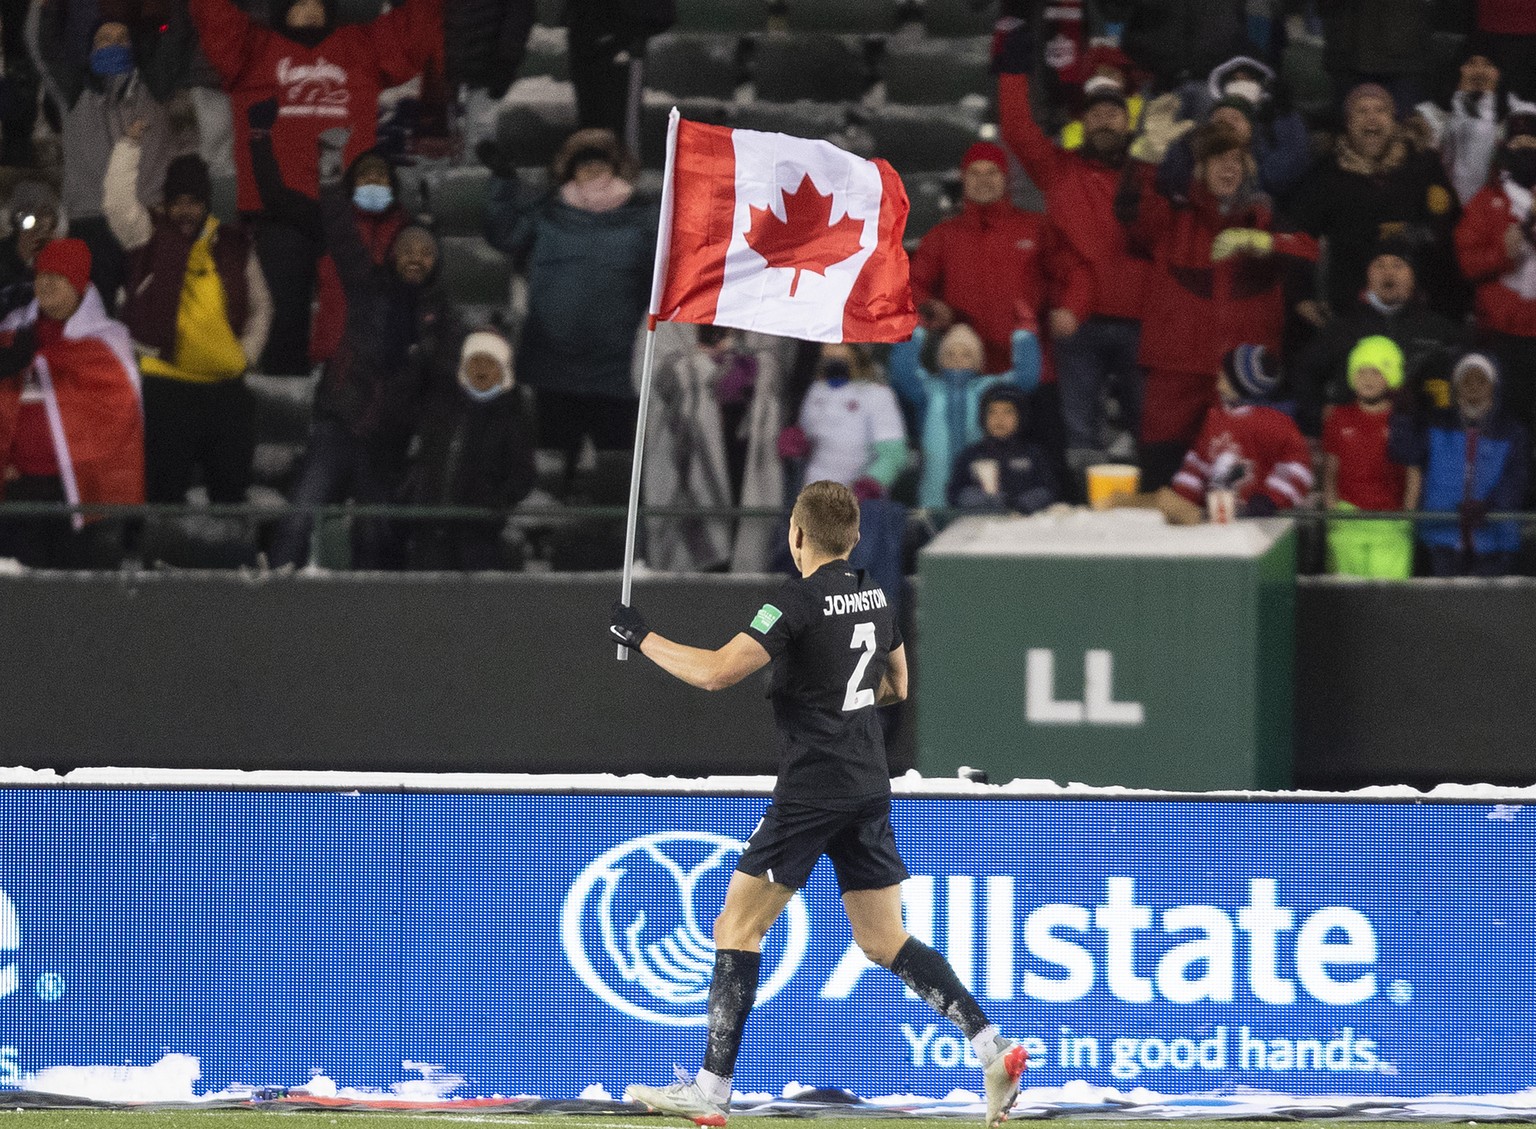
783 235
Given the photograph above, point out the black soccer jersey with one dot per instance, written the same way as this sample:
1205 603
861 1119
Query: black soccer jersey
830 635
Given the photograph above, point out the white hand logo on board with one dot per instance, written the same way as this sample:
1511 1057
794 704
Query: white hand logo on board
630 927
677 967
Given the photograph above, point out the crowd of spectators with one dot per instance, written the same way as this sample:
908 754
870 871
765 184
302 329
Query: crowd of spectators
1334 309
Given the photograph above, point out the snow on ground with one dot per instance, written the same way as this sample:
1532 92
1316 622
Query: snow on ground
1509 801
172 1079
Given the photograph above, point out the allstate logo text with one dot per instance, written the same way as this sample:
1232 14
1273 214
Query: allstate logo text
635 926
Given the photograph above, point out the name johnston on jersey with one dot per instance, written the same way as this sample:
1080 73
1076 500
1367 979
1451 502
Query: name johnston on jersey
865 601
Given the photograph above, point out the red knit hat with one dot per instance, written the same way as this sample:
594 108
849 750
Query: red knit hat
70 258
985 151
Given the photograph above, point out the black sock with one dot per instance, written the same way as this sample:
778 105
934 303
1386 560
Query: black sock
731 994
927 973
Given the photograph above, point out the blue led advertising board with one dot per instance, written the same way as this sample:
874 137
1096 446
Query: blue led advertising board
540 943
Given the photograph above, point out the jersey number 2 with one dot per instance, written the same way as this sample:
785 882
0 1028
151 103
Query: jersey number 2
855 698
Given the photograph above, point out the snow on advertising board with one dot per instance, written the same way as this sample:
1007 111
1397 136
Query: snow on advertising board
543 943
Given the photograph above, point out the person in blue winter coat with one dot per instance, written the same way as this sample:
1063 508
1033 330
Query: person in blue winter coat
586 248
1003 472
947 400
1475 461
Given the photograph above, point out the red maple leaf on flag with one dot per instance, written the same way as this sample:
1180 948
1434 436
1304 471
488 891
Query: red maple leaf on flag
806 239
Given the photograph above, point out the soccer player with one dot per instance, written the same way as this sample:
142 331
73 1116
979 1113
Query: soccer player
837 654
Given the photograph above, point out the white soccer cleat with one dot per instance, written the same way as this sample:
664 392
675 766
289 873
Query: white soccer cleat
1002 1076
682 1099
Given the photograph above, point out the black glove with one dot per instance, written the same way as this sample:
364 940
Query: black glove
1013 45
627 625
262 115
16 356
1260 505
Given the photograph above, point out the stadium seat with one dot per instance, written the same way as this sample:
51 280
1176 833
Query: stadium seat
533 131
798 119
473 271
275 465
546 55
853 16
455 199
936 72
918 139
958 17
934 197
694 66
722 15
283 405
1304 75
815 67
653 121
226 190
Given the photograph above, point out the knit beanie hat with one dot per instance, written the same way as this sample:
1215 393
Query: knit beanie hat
188 175
1252 371
495 346
69 258
1475 361
985 151
1380 353
1401 245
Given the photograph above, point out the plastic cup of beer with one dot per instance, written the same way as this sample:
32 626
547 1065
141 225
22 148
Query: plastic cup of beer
1109 479
1220 506
989 474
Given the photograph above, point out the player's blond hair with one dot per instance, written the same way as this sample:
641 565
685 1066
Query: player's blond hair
828 513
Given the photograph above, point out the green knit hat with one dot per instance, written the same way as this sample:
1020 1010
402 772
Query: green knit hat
1381 354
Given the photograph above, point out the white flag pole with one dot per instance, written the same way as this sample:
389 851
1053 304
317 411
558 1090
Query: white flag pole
658 282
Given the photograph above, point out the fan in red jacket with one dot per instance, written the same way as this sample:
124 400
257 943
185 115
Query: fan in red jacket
986 264
1216 283
71 424
1096 281
1496 245
322 76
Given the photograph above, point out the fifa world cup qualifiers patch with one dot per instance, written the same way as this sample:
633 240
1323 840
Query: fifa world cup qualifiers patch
766 617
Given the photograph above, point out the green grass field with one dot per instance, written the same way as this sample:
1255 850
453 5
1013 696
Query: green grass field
263 1119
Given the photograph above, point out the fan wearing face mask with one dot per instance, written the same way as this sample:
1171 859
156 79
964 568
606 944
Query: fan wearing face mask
324 76
96 103
1496 244
370 183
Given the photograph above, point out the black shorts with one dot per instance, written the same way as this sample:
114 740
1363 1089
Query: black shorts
791 837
